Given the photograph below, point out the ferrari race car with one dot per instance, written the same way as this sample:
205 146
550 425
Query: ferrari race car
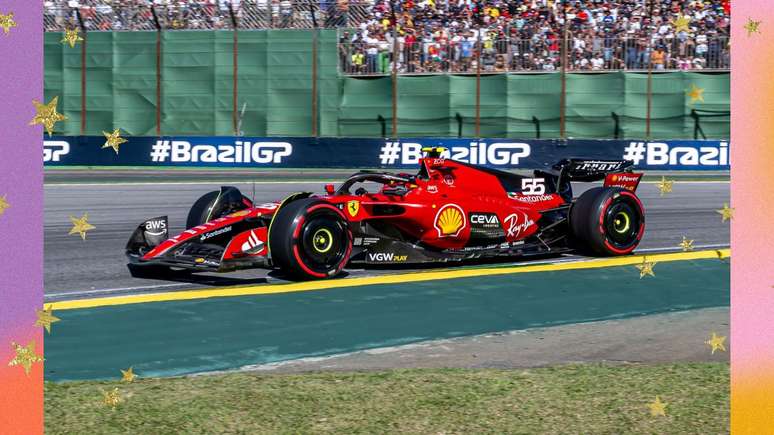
448 211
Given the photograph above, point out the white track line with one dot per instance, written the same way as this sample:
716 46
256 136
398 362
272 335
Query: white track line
115 290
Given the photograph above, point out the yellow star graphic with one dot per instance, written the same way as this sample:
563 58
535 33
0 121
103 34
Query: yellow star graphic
112 398
71 37
45 318
751 26
3 204
681 23
695 93
128 375
114 139
716 342
646 268
665 186
726 212
81 225
46 114
657 407
6 22
686 244
25 356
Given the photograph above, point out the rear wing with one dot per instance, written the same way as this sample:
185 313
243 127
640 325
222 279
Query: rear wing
616 173
590 170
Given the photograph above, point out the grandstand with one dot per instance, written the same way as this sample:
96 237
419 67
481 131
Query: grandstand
358 39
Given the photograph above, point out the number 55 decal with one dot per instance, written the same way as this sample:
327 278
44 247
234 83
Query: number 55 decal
533 186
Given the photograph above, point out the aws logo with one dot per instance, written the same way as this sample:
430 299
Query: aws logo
450 220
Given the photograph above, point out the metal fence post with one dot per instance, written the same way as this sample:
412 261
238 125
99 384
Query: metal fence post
478 83
158 70
315 39
563 96
394 72
83 72
235 78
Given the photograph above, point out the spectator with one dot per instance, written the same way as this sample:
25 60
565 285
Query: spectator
658 58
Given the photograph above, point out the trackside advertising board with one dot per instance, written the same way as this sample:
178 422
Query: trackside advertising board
300 152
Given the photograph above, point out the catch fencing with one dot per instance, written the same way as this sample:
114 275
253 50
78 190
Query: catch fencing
286 83
467 55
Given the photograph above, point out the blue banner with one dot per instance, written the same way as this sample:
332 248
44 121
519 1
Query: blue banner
302 152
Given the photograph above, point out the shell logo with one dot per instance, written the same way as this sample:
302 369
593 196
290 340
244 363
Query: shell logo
450 220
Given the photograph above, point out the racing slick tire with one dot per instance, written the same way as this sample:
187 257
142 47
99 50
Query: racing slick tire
310 239
607 221
201 209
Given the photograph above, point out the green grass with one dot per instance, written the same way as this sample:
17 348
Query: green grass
589 398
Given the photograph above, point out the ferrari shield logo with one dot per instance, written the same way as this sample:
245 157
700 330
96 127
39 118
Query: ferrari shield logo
353 207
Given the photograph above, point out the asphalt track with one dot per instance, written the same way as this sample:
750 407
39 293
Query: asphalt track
75 268
191 332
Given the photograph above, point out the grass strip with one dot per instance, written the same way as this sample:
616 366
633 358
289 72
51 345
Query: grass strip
580 398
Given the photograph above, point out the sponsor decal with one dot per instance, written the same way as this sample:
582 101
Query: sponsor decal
517 223
156 227
239 213
626 178
477 153
54 150
599 165
199 260
450 220
215 233
386 257
627 181
485 226
530 198
438 162
533 186
432 188
365 241
660 153
252 244
484 218
181 151
353 207
448 179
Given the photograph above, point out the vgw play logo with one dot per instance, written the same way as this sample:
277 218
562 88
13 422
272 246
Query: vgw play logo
476 153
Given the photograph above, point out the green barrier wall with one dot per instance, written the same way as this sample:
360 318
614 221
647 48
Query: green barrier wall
275 82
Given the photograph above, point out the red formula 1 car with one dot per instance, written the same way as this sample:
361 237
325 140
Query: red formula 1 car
448 211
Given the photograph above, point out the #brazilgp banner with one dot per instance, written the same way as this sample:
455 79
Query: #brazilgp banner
304 152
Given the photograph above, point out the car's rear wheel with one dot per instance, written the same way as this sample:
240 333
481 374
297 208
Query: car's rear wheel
310 239
607 221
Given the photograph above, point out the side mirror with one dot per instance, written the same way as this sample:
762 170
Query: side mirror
329 189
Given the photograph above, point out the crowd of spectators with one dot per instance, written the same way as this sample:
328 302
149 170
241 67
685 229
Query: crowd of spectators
172 14
518 35
455 35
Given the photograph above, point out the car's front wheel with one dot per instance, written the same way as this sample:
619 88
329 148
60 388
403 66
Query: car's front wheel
310 239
